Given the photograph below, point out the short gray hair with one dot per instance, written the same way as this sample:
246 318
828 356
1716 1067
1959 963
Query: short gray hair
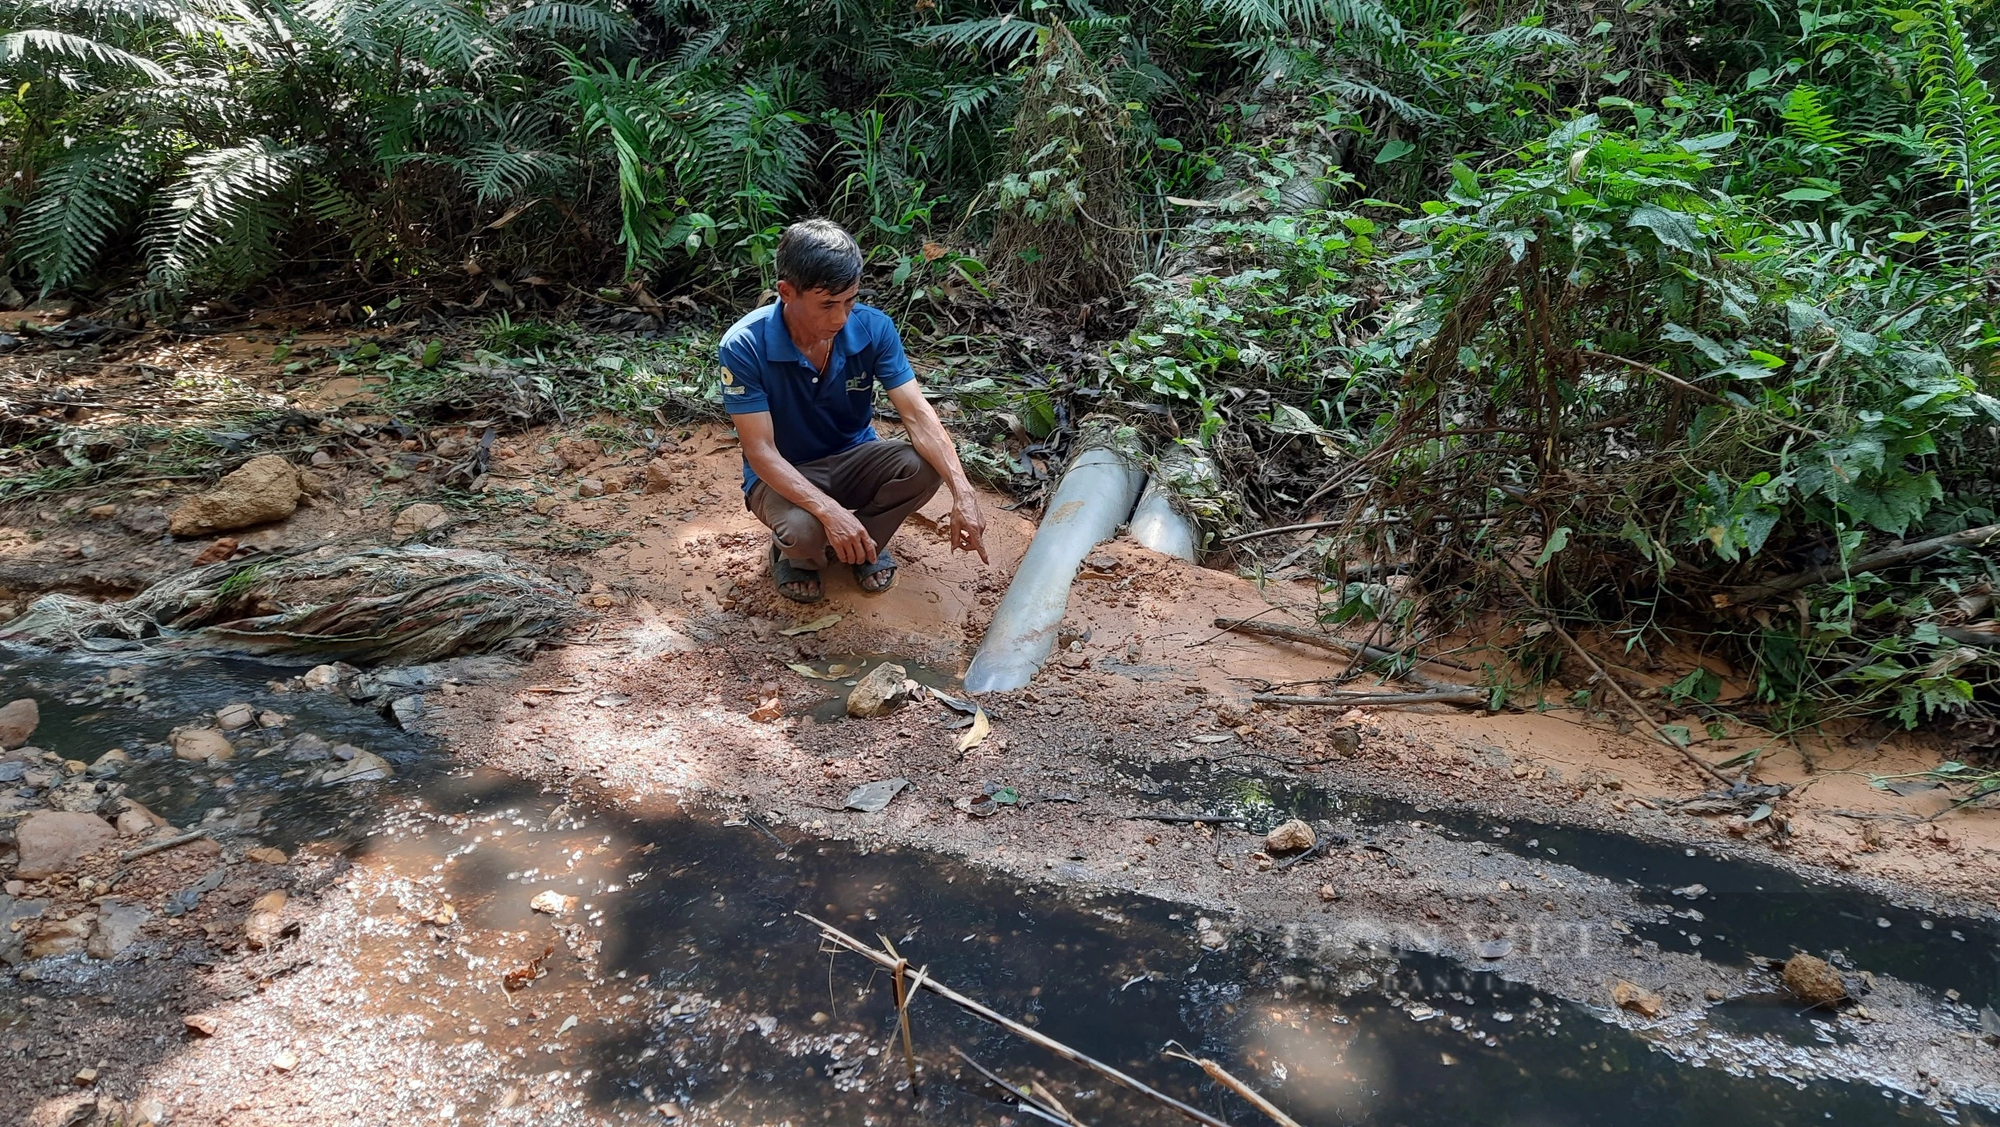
818 254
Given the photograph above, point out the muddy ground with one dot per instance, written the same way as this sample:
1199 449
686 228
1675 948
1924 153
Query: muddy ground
684 693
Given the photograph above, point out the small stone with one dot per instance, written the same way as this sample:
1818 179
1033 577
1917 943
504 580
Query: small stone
321 678
262 925
306 747
265 855
232 717
269 719
879 693
215 553
321 458
575 453
203 745
1813 981
285 1061
365 767
51 842
85 1077
659 476
103 512
60 937
74 766
148 521
203 1024
108 764
546 503
1643 1002
590 487
418 518
1290 837
1328 894
18 720
552 902
1712 994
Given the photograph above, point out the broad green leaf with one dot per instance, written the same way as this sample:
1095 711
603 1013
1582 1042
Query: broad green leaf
1394 150
1806 195
1673 228
1557 543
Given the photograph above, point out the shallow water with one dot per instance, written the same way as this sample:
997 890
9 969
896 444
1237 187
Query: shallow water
1749 907
705 986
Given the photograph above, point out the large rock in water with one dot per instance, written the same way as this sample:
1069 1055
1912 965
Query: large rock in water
51 841
263 489
1814 981
881 692
17 722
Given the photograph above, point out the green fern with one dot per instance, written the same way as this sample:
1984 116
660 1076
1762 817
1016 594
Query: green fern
79 203
1811 124
216 208
1960 120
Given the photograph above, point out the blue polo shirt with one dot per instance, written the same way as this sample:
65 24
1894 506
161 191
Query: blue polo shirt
813 415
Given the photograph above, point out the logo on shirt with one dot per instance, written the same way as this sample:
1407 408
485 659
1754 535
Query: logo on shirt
861 384
729 384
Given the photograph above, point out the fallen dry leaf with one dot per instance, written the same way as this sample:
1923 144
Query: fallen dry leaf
975 735
527 972
814 626
804 670
767 712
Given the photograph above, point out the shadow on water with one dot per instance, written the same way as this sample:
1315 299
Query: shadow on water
680 973
1747 908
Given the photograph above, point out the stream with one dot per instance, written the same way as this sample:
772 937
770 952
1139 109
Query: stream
682 982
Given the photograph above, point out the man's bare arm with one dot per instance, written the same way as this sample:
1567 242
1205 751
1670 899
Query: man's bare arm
927 434
851 542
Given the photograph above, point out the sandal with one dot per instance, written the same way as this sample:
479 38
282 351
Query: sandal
865 574
789 575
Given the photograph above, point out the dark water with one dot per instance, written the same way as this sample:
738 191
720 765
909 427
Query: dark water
700 915
1748 908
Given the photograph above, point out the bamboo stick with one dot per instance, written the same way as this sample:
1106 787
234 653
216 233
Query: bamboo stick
1316 639
1249 1094
1040 1040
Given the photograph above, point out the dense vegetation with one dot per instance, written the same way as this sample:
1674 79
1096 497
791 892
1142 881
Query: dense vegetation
1629 306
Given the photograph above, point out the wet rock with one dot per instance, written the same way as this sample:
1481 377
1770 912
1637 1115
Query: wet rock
659 476
147 521
59 937
575 453
202 745
365 767
18 720
118 926
1291 837
109 764
306 747
343 752
1640 1001
16 915
77 796
234 716
408 712
51 841
13 771
262 490
879 693
262 925
1813 981
269 719
552 902
323 678
135 820
421 517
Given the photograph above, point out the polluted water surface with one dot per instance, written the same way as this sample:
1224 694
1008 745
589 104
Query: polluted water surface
577 962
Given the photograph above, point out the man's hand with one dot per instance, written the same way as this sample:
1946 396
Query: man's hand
850 540
968 527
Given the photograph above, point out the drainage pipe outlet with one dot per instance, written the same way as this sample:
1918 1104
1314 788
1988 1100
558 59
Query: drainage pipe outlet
1093 498
1159 526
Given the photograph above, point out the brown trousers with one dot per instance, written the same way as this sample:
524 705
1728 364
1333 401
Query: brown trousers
881 483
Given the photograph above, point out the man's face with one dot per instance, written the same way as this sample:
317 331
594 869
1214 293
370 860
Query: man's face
817 314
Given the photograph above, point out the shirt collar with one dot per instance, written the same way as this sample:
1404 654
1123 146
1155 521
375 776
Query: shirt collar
778 344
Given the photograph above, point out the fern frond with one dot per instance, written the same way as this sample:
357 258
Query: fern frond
1003 35
569 20
25 45
496 171
1277 17
1810 123
444 33
79 203
1960 119
216 203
